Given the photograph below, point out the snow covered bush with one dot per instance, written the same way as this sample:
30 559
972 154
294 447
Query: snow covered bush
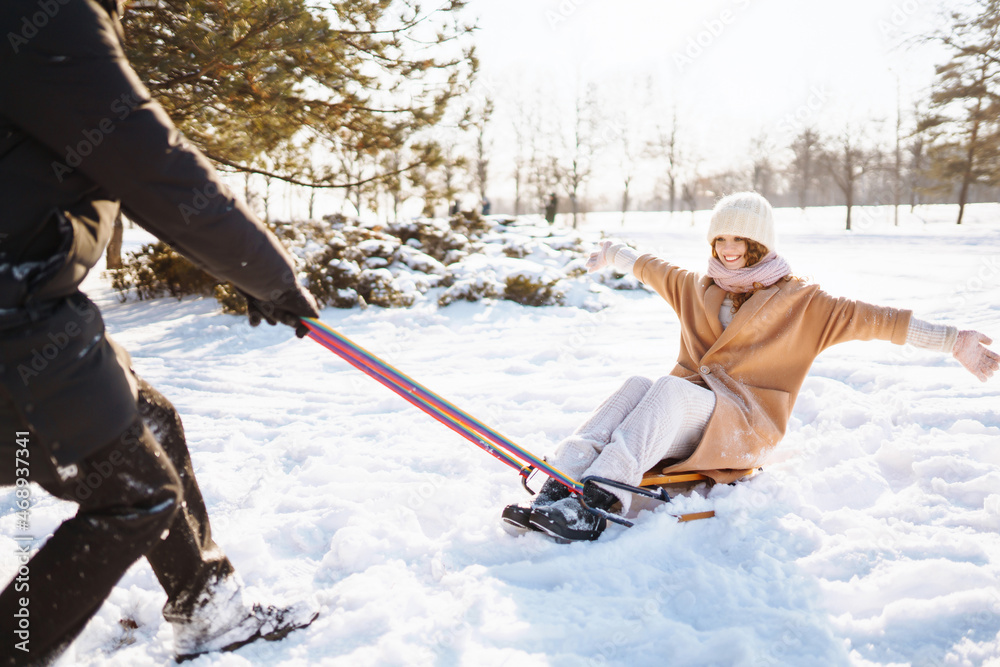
533 291
476 288
156 270
379 287
332 279
345 263
444 240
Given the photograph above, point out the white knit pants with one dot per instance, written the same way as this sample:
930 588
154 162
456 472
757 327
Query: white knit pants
639 425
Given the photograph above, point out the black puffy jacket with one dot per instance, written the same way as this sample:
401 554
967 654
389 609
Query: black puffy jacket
79 136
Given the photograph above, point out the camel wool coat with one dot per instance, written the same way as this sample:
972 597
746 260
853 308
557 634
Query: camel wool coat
757 365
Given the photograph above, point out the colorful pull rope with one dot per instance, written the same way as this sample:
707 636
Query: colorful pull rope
457 420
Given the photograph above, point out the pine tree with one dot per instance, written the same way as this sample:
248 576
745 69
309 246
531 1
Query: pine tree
294 92
245 78
964 105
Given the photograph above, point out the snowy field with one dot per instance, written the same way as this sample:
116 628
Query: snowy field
872 537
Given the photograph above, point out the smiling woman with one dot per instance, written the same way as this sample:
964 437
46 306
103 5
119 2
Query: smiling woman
750 215
736 252
749 334
732 250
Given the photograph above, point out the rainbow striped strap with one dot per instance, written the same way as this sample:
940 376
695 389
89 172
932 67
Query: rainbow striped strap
445 412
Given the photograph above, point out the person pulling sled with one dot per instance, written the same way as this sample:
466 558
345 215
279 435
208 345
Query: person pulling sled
79 137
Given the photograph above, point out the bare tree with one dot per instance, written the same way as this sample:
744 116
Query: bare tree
846 159
392 161
451 165
628 171
916 147
550 177
803 167
425 181
584 144
354 167
113 255
482 148
628 130
544 173
664 150
689 197
268 182
720 183
763 167
897 174
521 159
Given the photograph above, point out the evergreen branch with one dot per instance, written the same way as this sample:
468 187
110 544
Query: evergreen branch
398 29
311 184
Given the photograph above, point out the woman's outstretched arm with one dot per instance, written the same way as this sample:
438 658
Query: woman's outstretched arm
614 254
969 347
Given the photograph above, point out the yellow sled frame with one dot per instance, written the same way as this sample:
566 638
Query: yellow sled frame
661 479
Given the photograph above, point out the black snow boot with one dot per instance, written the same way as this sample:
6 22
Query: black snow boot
569 521
518 515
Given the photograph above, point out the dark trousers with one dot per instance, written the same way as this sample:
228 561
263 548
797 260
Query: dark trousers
129 492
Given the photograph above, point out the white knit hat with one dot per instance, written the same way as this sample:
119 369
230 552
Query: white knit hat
745 214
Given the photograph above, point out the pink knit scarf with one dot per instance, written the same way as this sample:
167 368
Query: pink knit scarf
764 273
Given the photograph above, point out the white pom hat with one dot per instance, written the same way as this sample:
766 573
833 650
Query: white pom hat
745 214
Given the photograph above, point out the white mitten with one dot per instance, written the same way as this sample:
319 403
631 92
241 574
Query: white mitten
613 253
599 258
971 352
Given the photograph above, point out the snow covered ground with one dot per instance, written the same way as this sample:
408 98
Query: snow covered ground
872 538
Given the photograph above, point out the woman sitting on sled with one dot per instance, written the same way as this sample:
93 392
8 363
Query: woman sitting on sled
749 333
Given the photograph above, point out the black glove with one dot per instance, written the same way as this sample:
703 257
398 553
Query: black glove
287 308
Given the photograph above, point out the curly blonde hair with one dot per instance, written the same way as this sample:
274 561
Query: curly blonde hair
755 253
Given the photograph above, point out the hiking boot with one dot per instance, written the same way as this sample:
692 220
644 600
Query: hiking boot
518 515
567 520
224 622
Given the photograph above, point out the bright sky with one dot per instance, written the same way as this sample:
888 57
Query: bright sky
734 68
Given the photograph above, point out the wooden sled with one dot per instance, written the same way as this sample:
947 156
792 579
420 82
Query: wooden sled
684 479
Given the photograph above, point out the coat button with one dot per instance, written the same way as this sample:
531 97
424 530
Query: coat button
705 370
